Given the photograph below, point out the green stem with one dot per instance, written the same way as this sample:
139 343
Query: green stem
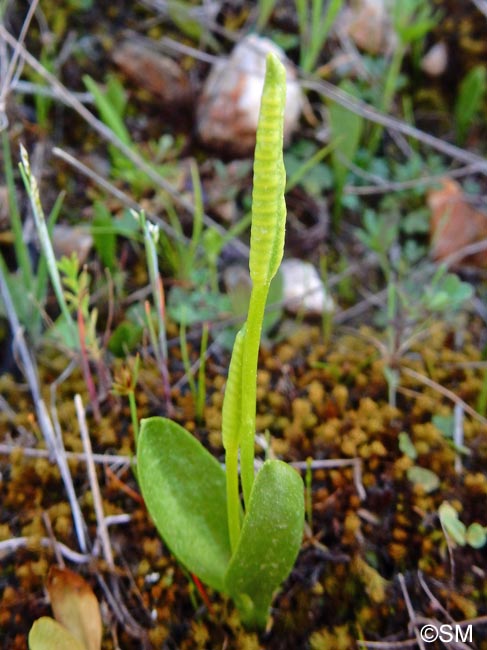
308 495
200 402
133 415
388 95
255 318
21 251
187 362
233 501
46 244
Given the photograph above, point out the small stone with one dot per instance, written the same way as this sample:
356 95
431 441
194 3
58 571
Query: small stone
67 240
435 60
158 74
303 289
4 207
228 108
368 23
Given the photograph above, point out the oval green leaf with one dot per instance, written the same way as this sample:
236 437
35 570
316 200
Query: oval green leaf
451 524
476 535
183 486
46 634
424 477
269 543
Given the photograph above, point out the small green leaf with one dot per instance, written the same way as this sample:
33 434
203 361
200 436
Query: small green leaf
46 634
406 445
346 129
109 113
269 542
125 338
451 524
447 292
476 535
183 486
424 477
445 423
104 235
195 306
471 95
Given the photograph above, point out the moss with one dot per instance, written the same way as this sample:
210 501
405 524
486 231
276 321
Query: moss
158 635
336 638
476 483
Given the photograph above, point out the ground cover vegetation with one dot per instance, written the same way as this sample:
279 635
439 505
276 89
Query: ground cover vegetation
125 237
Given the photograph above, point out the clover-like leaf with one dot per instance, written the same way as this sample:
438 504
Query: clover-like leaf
451 524
476 535
46 634
183 486
425 477
269 542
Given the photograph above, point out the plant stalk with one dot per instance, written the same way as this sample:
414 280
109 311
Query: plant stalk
255 318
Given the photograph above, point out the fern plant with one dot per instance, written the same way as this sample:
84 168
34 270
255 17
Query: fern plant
244 549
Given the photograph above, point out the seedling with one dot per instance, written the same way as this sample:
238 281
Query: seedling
474 535
243 551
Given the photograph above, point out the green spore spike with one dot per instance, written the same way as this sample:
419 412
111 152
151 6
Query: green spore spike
268 206
266 246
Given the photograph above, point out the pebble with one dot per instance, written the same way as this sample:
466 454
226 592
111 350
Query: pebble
228 107
303 289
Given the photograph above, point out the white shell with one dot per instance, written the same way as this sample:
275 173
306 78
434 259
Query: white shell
303 289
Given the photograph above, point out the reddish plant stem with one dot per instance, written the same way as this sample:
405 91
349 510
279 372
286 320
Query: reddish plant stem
85 364
202 593
162 336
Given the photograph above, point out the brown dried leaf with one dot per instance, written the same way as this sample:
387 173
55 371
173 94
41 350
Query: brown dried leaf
455 224
75 606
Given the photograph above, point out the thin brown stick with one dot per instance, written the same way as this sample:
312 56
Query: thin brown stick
103 459
443 391
411 612
481 6
12 545
385 187
95 487
369 113
388 645
55 547
13 65
433 599
124 198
